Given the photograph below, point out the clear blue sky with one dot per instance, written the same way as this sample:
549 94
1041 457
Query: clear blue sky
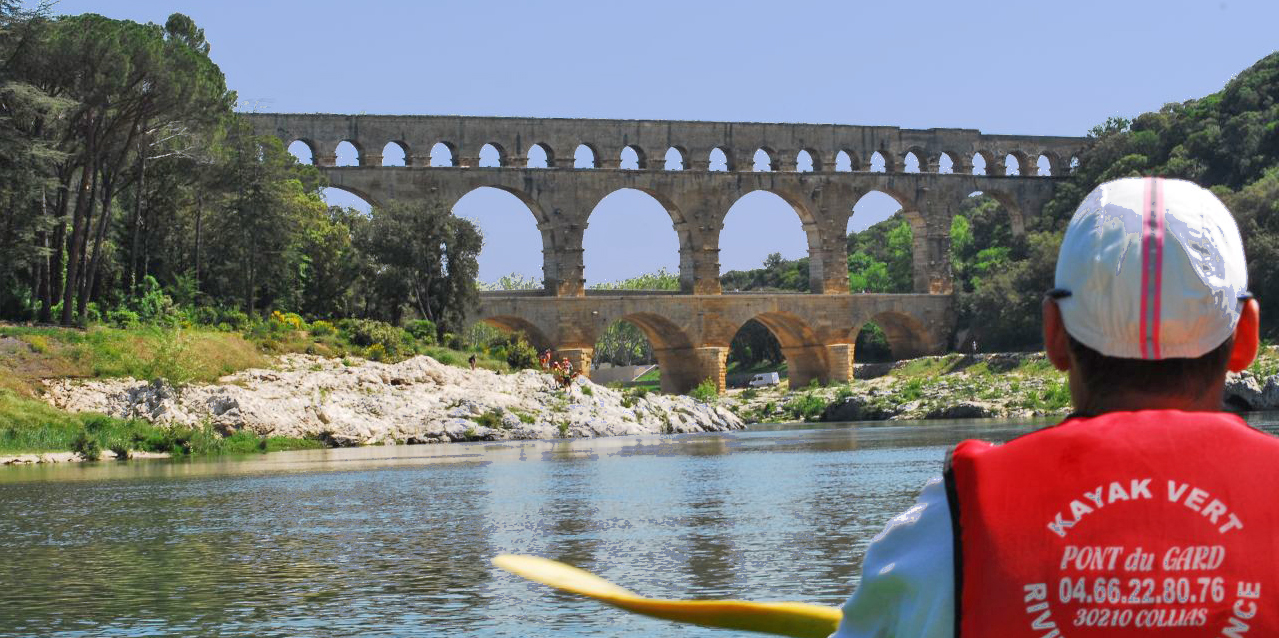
1024 67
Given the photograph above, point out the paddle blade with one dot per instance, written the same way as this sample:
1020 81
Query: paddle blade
800 620
560 576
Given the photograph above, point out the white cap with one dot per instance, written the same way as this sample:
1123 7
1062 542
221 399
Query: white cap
1151 268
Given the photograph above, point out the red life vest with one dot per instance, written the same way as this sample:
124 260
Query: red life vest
1153 523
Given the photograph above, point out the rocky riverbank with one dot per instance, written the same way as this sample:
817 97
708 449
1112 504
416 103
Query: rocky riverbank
356 402
956 386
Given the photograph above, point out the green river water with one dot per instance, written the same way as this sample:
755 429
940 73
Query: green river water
396 541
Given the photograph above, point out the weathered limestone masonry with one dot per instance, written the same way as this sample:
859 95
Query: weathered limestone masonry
691 332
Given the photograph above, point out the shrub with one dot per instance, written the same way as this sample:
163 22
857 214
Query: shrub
749 393
288 320
87 446
706 391
806 407
422 329
587 390
563 427
367 332
490 418
375 352
322 328
234 318
122 318
152 305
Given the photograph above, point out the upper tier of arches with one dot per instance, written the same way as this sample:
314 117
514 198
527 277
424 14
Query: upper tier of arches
476 142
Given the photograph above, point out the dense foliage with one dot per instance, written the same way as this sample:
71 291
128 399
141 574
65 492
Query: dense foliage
126 177
1227 141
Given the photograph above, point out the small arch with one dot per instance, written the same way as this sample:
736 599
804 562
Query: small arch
585 157
395 153
674 159
807 162
763 161
633 158
540 156
1014 163
844 162
718 160
443 154
910 163
878 163
1016 222
945 165
492 156
348 154
535 336
980 162
1043 166
303 150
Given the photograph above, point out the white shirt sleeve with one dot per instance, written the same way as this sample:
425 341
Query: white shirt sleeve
908 577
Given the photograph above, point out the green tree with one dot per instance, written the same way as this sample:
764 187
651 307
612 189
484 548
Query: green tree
426 259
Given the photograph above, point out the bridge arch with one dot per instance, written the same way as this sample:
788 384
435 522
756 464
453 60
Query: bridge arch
907 335
493 155
349 153
443 154
805 354
676 159
537 337
300 147
624 226
756 208
719 160
396 153
585 156
845 161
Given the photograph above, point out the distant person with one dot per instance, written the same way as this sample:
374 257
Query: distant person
472 361
1148 511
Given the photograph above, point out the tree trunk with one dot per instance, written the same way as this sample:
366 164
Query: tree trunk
59 241
199 214
44 294
135 224
92 279
83 275
84 197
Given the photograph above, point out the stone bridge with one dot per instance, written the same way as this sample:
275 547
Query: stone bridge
821 171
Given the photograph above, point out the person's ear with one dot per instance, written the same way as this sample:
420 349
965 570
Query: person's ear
1247 337
1056 342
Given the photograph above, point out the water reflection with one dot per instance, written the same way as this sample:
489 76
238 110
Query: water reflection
396 541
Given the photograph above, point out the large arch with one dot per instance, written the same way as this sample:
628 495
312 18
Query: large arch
625 227
806 356
509 221
337 195
757 225
535 335
907 336
679 367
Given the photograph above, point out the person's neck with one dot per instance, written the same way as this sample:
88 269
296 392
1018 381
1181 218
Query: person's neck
1209 401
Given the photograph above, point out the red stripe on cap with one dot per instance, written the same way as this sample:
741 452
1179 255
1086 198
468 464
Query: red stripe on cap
1158 216
1145 267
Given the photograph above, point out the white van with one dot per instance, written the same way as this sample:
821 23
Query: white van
763 379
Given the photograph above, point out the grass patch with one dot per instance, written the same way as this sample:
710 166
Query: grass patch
805 407
29 425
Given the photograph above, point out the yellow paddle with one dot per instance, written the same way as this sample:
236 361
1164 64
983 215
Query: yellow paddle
800 620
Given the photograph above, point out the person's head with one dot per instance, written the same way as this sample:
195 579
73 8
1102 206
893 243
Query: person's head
1150 306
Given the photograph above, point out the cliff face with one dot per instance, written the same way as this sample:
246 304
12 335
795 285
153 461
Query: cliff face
420 400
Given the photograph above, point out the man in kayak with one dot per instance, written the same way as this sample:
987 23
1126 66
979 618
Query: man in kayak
1148 511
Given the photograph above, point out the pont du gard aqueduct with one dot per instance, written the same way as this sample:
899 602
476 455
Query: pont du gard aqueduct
691 331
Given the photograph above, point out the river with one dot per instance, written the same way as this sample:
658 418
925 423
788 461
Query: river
396 541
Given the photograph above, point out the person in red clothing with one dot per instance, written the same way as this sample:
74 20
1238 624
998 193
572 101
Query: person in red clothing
1147 512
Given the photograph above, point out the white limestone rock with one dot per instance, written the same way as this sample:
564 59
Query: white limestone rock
415 401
